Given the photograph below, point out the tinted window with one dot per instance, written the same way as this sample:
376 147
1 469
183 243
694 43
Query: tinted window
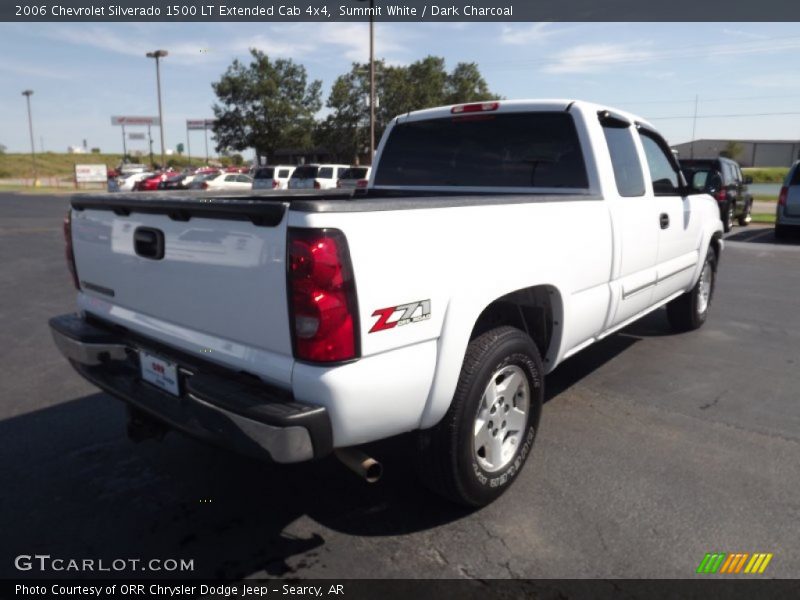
264 173
664 176
795 176
625 160
354 173
244 179
230 178
306 172
325 173
486 150
283 173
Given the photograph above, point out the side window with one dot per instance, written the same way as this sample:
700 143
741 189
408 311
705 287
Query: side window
662 172
625 160
230 178
283 173
325 173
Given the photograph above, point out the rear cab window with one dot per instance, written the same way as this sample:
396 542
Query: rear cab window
325 173
512 150
265 173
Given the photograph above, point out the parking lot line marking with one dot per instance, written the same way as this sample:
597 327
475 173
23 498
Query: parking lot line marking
23 230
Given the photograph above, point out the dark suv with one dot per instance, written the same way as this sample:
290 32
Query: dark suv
722 178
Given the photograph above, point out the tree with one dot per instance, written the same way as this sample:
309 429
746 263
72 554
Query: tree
265 105
2 149
732 150
399 89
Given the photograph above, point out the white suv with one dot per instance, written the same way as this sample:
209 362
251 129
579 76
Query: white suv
316 177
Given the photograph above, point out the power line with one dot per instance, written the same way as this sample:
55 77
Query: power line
730 116
627 57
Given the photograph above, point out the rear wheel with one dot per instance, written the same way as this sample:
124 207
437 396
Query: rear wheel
745 217
781 232
727 216
689 311
477 450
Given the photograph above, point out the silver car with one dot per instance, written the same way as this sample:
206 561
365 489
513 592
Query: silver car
787 216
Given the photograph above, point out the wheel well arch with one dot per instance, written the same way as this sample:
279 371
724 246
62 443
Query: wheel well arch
536 310
716 245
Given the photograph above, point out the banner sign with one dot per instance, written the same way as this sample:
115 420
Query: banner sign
91 174
200 123
153 121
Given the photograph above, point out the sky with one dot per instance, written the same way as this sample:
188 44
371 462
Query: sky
83 73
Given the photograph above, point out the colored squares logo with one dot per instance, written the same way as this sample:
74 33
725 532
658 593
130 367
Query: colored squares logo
734 563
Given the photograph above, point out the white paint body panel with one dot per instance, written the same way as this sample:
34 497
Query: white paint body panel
222 284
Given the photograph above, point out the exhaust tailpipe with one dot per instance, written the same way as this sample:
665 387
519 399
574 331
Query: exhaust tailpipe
365 466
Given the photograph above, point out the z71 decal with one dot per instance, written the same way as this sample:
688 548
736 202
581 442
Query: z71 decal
413 312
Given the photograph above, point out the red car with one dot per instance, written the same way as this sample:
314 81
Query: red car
151 183
244 170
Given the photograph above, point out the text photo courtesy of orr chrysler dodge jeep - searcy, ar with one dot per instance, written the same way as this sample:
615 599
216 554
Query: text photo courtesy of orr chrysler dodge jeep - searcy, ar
493 241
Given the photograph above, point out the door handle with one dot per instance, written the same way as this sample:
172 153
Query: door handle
663 220
149 242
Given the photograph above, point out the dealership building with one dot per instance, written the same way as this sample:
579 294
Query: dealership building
751 153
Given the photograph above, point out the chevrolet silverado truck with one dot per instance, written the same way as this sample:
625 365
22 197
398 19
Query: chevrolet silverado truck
494 241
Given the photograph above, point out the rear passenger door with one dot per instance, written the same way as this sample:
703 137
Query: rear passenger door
634 216
678 220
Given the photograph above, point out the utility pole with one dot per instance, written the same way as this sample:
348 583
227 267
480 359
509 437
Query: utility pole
28 94
157 55
694 125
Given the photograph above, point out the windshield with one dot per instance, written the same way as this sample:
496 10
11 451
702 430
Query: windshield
487 150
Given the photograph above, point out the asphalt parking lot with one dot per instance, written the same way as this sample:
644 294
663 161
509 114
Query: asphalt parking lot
654 449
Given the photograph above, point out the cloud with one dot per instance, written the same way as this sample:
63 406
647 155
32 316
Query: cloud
589 58
534 33
746 34
17 68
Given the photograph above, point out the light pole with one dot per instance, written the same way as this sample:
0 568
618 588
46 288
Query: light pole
28 94
371 81
159 54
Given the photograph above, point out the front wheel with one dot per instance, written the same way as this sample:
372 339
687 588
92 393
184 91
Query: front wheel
690 310
477 450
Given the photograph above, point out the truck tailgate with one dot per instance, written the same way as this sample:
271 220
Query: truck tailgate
218 291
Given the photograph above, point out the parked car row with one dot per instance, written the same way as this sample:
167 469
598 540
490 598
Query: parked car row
278 177
787 212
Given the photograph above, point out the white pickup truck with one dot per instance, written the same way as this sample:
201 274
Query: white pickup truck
494 241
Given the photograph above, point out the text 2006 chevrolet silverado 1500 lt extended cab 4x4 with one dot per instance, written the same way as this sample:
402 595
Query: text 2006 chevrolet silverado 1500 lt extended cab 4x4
495 240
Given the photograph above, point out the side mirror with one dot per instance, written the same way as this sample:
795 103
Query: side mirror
748 180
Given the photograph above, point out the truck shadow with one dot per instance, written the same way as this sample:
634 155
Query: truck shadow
75 487
762 235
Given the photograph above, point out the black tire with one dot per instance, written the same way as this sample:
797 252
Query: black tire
449 464
745 218
727 216
683 312
781 232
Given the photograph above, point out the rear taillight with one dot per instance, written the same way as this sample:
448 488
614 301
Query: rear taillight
721 195
338 184
322 297
317 185
477 107
362 183
204 185
782 196
275 184
68 251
